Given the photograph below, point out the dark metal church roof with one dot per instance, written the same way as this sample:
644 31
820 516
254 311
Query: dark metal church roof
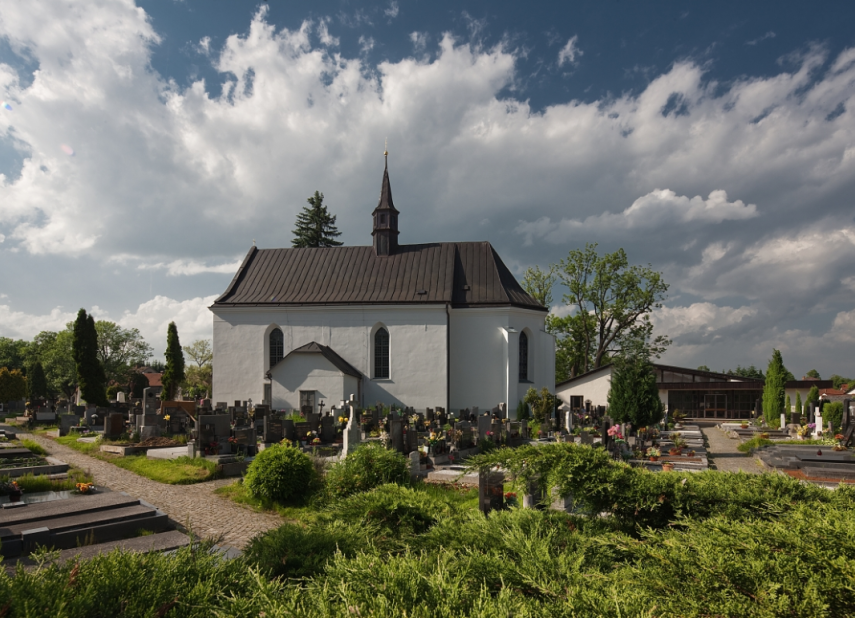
464 274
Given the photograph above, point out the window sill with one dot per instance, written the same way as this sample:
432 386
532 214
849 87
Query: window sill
381 379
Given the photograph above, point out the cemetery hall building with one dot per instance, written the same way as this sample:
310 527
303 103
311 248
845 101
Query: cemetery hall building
428 325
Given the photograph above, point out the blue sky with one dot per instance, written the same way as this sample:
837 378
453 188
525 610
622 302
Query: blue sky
713 141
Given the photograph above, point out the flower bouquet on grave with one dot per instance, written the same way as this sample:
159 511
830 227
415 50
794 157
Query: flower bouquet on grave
654 453
11 489
510 499
212 449
743 425
85 488
286 442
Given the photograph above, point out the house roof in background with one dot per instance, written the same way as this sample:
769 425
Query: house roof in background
154 379
464 274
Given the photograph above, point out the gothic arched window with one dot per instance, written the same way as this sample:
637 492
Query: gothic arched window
381 354
277 346
523 357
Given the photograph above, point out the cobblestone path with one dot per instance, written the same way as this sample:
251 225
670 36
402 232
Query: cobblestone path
194 507
723 455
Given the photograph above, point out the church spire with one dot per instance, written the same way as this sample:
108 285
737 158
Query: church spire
385 216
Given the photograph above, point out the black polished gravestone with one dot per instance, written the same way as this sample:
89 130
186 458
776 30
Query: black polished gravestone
491 496
273 430
288 430
327 429
245 440
303 431
396 434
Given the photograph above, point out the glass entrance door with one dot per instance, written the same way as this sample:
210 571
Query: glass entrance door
715 405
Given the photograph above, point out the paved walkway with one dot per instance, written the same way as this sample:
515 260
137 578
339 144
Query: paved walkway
723 455
194 507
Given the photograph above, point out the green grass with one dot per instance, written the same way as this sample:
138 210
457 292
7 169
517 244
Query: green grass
181 471
34 447
87 448
32 484
758 442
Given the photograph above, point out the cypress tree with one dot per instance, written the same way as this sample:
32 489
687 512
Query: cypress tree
634 394
798 402
788 406
315 225
773 391
36 382
173 375
90 373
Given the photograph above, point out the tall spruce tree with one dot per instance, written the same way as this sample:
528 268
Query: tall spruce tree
315 225
36 382
773 391
90 373
634 395
799 402
173 375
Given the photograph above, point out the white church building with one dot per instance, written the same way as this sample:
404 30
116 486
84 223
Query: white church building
438 324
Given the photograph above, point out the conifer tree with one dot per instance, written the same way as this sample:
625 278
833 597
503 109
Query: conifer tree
173 375
36 382
812 396
773 391
90 373
315 225
798 402
788 405
634 394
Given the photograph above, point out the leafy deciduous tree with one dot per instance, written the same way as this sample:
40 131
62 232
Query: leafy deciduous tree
618 299
173 375
120 349
13 353
539 283
315 225
13 385
200 351
812 396
813 373
542 404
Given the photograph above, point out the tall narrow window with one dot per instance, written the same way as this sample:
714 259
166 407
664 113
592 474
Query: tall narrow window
277 346
381 354
523 357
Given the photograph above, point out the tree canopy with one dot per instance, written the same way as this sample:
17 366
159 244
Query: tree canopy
13 353
120 349
36 382
198 378
813 373
315 225
13 385
200 351
611 301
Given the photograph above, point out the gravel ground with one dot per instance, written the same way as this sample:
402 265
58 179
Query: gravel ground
723 455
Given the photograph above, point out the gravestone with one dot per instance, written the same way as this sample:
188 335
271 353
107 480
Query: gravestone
415 464
302 431
352 435
213 429
114 426
412 441
273 430
559 503
66 422
288 430
245 440
496 427
327 429
587 438
484 423
491 491
314 421
396 434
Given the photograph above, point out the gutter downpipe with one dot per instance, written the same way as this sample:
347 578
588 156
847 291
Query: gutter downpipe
447 358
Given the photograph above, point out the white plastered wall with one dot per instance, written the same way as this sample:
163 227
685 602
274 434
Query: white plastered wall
310 372
594 387
484 356
417 342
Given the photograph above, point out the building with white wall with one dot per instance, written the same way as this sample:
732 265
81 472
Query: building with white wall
438 324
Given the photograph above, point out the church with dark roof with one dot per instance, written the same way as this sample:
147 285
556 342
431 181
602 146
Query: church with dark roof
427 325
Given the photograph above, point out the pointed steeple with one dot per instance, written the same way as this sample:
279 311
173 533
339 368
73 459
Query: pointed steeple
385 216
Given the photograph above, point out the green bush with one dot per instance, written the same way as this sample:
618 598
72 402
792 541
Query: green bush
281 474
832 411
394 509
366 468
293 550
